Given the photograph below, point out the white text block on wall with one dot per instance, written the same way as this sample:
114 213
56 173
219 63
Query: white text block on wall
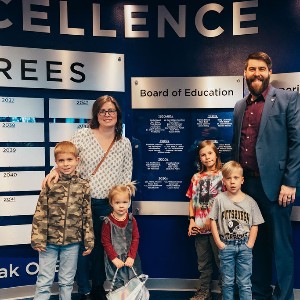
18 205
70 108
21 132
21 107
21 180
63 131
15 235
22 156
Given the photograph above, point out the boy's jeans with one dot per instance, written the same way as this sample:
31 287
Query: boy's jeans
236 258
67 256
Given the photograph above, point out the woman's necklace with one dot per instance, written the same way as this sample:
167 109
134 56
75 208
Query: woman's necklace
118 219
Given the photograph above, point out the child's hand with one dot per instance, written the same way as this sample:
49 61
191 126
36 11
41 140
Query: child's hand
221 245
129 262
191 231
87 251
118 262
207 225
39 249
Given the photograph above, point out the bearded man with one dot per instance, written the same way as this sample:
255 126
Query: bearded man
266 142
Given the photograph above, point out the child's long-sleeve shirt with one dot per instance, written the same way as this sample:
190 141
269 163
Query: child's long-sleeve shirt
107 242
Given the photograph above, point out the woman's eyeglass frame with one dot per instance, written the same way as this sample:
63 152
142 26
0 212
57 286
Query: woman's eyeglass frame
110 112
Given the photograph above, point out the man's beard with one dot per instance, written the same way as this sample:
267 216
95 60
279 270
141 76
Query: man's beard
257 91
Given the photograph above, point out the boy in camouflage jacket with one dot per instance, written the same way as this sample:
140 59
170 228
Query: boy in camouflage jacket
61 221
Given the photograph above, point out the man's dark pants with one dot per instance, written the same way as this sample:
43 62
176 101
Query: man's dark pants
274 238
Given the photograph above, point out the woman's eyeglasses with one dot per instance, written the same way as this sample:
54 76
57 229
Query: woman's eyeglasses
110 112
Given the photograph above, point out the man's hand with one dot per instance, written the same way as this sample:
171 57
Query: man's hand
287 195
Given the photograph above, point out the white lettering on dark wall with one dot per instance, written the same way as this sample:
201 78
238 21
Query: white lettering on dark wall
32 268
135 19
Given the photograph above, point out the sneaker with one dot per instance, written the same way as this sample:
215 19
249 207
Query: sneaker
202 294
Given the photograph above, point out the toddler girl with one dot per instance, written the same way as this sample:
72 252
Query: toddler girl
120 236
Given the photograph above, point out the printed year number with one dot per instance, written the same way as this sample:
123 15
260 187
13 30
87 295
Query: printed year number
9 174
9 150
82 126
9 199
82 102
8 125
8 100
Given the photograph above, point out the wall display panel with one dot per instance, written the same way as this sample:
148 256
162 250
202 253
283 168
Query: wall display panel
62 69
286 81
17 205
52 160
70 108
186 92
21 180
21 132
22 156
21 107
15 234
63 131
167 140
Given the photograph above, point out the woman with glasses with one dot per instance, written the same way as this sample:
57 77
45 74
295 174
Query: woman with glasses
103 138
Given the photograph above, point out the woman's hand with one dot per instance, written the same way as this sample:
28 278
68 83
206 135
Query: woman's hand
51 178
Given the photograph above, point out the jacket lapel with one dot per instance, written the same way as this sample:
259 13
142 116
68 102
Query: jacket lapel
269 102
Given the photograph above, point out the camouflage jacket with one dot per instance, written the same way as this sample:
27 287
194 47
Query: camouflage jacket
63 214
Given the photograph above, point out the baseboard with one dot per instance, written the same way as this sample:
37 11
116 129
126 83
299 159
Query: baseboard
163 284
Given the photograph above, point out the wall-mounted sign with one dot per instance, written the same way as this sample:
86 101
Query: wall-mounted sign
286 81
22 156
70 108
186 92
21 132
61 69
21 107
18 205
63 131
15 234
21 180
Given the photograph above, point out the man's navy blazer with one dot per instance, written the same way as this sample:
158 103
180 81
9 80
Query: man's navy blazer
278 142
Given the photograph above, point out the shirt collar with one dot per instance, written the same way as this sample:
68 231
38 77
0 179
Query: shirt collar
261 97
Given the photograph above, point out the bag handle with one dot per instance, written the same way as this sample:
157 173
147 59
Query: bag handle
104 156
115 277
